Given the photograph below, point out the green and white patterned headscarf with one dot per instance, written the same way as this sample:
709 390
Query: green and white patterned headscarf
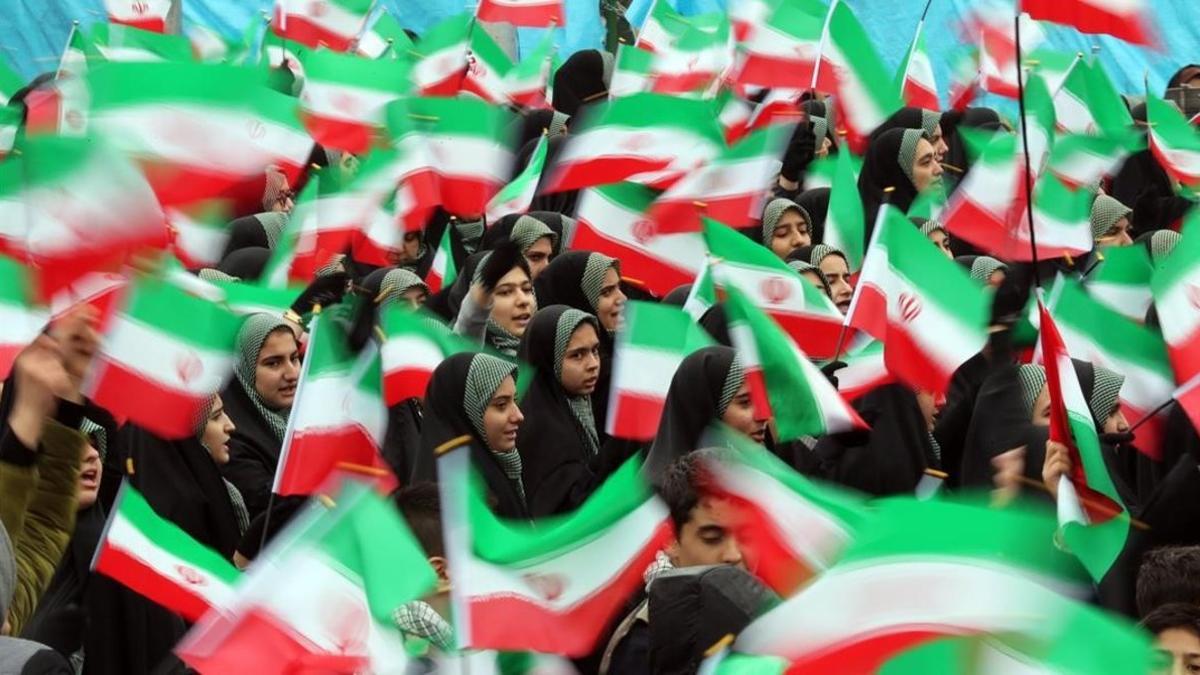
581 406
1106 391
250 340
820 129
96 434
908 151
932 226
1106 211
484 376
983 267
528 230
1162 242
1031 379
211 274
272 223
734 380
397 282
773 211
470 231
593 276
929 123
823 251
496 335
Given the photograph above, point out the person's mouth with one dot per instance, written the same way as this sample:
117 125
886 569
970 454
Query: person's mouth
591 382
759 435
88 478
510 434
844 306
522 319
288 391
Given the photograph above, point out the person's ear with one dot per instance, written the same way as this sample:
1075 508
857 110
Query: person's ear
442 569
672 551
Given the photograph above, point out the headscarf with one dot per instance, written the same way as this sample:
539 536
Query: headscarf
525 229
883 167
1106 211
1032 378
559 433
261 230
701 390
250 341
773 211
801 267
276 179
391 283
212 275
531 124
911 118
813 255
575 279
458 394
677 296
928 225
246 264
499 337
815 203
1160 244
1105 393
982 267
581 80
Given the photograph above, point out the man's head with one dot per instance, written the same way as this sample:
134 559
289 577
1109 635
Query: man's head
702 522
420 504
1176 630
1168 575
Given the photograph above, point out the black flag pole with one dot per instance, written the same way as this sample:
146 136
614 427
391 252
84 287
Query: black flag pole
1028 175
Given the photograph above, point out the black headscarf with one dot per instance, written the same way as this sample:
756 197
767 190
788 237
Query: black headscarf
259 230
957 161
581 80
700 391
246 264
563 202
881 169
446 418
816 203
531 124
678 296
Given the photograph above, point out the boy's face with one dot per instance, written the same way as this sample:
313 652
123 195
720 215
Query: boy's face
1180 649
707 538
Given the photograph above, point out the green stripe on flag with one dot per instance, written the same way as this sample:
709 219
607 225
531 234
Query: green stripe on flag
645 110
870 95
1131 341
167 308
387 75
845 227
447 117
652 325
120 85
939 279
1124 266
15 284
133 507
121 37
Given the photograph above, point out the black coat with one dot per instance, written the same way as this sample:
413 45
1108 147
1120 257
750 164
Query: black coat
693 403
253 449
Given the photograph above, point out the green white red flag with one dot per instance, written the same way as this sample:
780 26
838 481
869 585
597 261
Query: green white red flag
1094 523
1176 288
199 233
525 84
442 57
149 15
356 561
694 64
385 37
199 130
344 96
783 49
612 220
865 371
1174 142
789 528
338 419
1088 103
728 189
20 320
1125 19
651 343
331 23
69 206
662 27
927 311
640 133
487 67
117 42
784 385
529 13
549 587
804 312
443 271
154 557
845 222
980 572
1122 281
518 195
414 344
915 76
631 73
1100 335
163 357
1081 160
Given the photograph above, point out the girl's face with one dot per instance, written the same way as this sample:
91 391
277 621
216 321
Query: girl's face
611 301
538 256
513 303
942 240
740 415
278 369
837 272
217 430
926 169
791 232
502 417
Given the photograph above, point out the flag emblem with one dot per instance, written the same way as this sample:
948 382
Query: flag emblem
347 619
1193 295
188 367
644 230
910 307
317 8
191 575
775 289
139 7
256 129
637 142
549 586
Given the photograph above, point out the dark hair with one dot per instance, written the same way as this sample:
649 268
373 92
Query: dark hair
1170 574
420 504
1174 615
504 257
683 484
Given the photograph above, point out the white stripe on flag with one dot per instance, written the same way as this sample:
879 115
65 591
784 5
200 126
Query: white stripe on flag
644 371
409 351
332 401
165 361
338 101
124 536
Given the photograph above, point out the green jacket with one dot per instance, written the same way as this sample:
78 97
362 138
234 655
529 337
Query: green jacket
38 511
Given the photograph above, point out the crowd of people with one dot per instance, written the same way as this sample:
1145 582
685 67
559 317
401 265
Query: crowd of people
527 296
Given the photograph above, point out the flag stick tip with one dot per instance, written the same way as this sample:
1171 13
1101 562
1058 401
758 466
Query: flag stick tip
719 645
452 444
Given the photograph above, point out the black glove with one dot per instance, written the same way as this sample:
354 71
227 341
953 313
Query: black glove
325 290
829 370
800 152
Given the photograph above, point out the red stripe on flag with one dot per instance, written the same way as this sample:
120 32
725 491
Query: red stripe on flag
635 417
169 413
542 15
918 96
467 196
657 274
313 454
757 383
8 354
309 33
147 581
1090 17
259 643
769 71
684 216
179 184
447 86
1151 434
1185 357
817 335
911 364
353 137
515 624
601 171
404 383
154 25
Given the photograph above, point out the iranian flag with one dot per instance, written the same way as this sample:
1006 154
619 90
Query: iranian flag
804 312
199 233
549 587
1094 523
1125 19
149 15
442 57
1082 160
245 299
339 417
865 371
487 66
443 271
20 321
1121 282
163 358
1176 287
651 343
10 83
728 189
927 311
662 27
384 36
344 96
703 293
518 195
733 113
917 85
331 23
745 16
347 558
694 63
902 583
413 346
784 385
10 122
612 220
640 133
154 557
70 206
1099 335
1088 103
115 42
525 84
1174 142
303 247
466 145
631 73
530 13
865 94
789 528
199 130
965 78
783 50
845 222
